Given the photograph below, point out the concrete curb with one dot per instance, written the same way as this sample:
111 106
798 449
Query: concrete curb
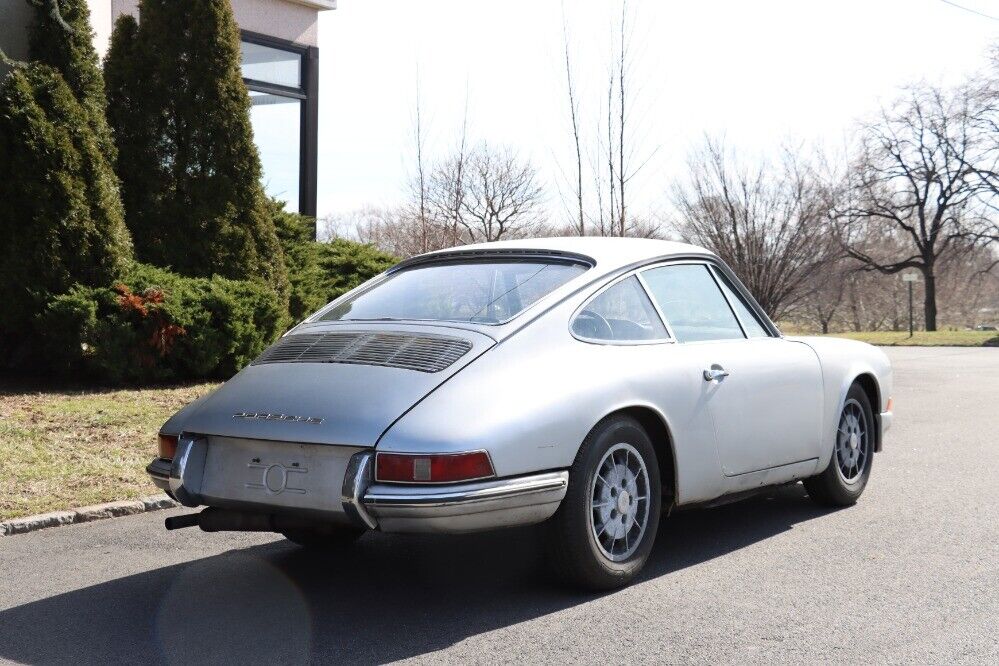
85 515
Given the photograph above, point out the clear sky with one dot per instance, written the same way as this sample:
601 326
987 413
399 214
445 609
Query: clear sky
763 72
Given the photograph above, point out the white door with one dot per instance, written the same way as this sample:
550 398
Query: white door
764 392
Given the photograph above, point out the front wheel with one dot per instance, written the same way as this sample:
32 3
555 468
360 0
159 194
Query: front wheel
604 530
843 481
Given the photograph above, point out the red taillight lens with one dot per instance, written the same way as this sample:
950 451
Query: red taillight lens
434 468
167 446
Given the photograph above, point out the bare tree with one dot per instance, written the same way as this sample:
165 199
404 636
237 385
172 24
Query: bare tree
493 193
824 302
768 222
576 132
447 190
915 175
615 153
418 206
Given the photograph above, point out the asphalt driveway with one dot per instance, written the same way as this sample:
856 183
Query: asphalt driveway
910 574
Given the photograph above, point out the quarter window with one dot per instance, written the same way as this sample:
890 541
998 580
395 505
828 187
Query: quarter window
622 313
690 300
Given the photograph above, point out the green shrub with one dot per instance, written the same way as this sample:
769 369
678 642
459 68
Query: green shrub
189 169
319 272
61 220
156 325
346 264
301 257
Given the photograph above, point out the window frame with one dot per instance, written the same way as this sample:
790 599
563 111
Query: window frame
308 94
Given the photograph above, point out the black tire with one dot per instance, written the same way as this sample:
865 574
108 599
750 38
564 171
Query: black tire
573 551
831 488
324 538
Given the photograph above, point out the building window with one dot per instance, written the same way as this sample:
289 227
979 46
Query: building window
277 130
282 78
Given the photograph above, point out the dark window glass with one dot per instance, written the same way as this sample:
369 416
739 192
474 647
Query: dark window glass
690 300
749 321
622 313
485 291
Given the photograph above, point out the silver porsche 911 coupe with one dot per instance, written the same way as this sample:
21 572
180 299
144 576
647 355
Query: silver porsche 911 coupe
593 384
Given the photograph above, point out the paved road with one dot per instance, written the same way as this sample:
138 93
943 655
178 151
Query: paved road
911 574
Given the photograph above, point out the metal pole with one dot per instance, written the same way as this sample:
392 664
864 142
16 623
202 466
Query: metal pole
910 308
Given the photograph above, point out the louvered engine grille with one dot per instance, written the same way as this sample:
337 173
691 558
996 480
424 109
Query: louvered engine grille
425 353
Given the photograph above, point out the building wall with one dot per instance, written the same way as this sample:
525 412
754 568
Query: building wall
15 17
293 20
286 19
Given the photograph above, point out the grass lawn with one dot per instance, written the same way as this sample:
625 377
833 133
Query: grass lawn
926 339
66 449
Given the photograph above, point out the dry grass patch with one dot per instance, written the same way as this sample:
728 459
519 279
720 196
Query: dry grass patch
65 449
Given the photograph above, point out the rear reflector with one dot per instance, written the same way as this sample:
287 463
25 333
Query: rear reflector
434 468
167 446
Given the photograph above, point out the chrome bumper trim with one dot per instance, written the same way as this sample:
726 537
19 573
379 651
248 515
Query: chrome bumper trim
885 419
187 470
467 507
159 472
423 496
355 483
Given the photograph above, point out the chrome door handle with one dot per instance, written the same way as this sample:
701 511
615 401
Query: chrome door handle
715 372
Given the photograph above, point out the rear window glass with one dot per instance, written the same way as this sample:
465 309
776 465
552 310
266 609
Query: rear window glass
477 291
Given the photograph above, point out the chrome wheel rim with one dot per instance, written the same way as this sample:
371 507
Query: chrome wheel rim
852 442
619 502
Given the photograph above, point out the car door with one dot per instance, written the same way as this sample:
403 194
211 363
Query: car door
764 391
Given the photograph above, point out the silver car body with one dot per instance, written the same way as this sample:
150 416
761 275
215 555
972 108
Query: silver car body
300 438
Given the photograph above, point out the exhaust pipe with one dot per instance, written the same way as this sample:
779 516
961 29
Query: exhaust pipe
180 522
214 519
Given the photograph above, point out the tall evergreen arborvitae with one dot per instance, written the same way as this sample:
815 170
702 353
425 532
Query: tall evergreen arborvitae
65 41
61 220
134 127
190 171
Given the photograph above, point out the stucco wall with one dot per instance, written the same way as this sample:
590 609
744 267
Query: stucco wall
294 20
15 16
278 18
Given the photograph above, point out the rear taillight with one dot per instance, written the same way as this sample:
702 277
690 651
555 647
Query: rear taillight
167 446
433 468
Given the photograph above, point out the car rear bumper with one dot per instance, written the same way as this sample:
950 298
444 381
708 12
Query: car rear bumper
445 508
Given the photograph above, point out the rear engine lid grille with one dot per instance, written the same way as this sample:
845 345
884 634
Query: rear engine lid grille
424 353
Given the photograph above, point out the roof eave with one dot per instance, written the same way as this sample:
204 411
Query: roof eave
318 5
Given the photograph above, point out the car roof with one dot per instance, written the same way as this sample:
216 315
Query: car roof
606 252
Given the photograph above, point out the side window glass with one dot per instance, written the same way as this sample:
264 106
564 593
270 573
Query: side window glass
749 321
622 313
690 300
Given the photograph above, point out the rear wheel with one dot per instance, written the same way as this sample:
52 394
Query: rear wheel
843 481
324 538
604 529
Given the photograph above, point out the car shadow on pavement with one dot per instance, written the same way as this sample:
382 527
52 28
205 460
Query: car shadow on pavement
386 598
